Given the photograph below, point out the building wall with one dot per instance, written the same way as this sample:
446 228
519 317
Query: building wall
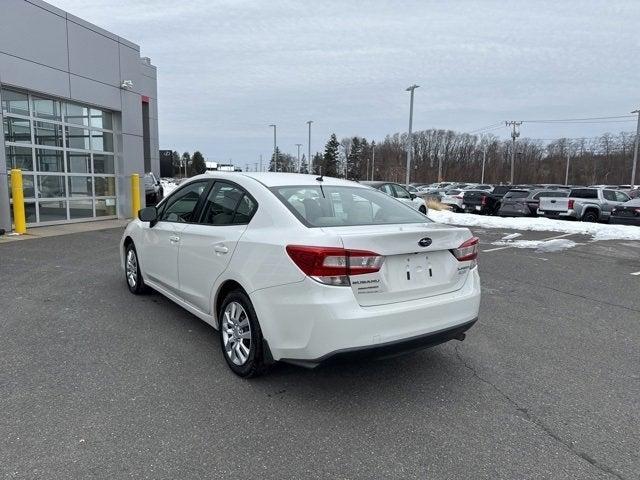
46 50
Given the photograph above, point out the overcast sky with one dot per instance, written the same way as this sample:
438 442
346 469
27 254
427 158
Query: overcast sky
229 68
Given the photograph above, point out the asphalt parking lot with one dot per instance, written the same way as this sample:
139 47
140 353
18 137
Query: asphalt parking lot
97 383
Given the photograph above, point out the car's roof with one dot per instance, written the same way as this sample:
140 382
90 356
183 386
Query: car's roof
273 179
375 183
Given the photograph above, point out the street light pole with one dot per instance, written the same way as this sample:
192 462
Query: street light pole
299 164
514 134
410 152
635 152
309 160
566 174
484 160
275 149
373 159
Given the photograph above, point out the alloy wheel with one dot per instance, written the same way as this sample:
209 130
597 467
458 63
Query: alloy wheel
236 333
132 268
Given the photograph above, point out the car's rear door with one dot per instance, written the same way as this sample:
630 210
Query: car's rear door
160 242
207 246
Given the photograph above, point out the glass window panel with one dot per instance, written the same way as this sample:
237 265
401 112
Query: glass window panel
77 138
49 160
103 163
102 141
77 114
19 157
53 211
46 108
49 134
80 209
79 162
101 119
16 130
51 186
80 186
28 190
15 102
106 207
29 212
105 186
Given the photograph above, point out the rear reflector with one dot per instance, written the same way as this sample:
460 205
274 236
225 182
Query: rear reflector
467 251
331 265
483 200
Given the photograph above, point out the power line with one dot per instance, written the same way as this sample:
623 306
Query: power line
493 126
585 119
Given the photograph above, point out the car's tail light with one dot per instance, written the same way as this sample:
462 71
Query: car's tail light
483 200
570 204
468 251
331 265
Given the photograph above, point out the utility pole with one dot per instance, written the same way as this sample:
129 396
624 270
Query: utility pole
373 159
635 152
309 159
260 162
515 133
275 149
255 167
410 152
299 165
246 167
484 160
566 174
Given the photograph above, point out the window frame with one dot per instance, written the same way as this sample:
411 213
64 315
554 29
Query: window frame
170 200
235 210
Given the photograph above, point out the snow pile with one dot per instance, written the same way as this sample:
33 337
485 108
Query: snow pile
555 245
168 185
599 231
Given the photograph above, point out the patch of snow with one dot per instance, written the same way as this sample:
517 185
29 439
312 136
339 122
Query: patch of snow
555 245
168 185
599 231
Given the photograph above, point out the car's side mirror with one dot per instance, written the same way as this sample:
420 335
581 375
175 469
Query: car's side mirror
413 196
148 214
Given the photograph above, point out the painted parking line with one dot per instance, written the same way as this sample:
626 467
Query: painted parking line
541 240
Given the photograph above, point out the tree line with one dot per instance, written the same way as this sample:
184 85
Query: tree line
447 155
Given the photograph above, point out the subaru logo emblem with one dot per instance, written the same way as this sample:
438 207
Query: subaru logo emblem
424 242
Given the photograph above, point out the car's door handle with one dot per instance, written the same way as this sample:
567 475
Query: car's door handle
221 249
174 239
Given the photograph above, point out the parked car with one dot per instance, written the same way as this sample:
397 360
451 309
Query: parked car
586 204
153 190
627 213
453 198
401 193
485 202
524 203
296 269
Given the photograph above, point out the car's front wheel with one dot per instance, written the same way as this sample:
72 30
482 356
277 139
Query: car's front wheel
240 336
132 272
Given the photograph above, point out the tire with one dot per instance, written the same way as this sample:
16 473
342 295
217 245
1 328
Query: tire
423 209
590 216
238 323
132 274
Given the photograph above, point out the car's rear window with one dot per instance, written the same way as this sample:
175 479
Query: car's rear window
584 193
338 206
517 194
500 189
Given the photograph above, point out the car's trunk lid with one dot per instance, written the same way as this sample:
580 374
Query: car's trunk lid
410 271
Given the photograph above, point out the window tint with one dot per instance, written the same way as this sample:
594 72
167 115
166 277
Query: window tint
584 193
609 195
345 206
386 188
401 192
227 205
517 194
180 206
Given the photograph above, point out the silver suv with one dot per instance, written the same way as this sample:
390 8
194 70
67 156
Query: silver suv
586 204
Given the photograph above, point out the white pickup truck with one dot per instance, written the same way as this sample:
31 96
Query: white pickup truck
586 204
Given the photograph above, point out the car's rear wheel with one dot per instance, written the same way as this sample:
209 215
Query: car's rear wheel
423 209
240 336
590 216
135 282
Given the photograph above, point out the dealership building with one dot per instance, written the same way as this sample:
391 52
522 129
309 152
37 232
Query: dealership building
79 114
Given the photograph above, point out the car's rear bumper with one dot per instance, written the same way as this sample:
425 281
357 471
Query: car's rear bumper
311 322
560 214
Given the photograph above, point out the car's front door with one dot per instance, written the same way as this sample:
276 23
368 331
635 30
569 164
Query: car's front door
207 246
161 242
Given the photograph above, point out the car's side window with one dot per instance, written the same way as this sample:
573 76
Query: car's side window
180 207
227 204
609 195
401 192
386 188
622 197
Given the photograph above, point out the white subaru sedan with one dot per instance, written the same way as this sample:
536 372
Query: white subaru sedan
304 269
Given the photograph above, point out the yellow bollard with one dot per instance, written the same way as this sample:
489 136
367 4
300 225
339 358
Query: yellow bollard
135 195
19 220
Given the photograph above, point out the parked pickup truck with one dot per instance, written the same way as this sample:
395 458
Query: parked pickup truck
487 203
586 204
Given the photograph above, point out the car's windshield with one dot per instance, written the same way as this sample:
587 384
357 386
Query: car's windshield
333 206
